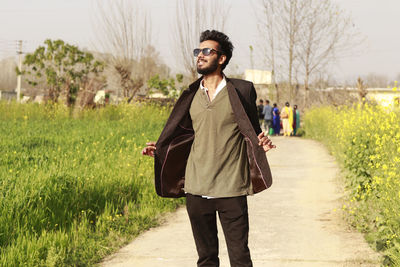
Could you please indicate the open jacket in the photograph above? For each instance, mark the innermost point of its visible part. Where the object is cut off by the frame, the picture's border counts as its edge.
(174, 144)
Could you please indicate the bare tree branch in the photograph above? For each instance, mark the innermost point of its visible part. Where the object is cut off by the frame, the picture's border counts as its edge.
(267, 30)
(326, 34)
(193, 17)
(303, 36)
(124, 34)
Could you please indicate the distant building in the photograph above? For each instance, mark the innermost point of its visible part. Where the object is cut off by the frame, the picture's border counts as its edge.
(383, 96)
(261, 80)
(258, 76)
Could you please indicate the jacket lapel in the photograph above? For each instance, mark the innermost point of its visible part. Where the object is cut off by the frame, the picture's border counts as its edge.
(260, 172)
(180, 110)
(241, 117)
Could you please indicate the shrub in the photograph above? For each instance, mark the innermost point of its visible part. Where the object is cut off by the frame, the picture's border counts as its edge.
(366, 141)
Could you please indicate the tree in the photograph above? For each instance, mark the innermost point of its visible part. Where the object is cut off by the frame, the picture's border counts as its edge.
(292, 13)
(267, 29)
(166, 86)
(362, 90)
(376, 80)
(326, 33)
(124, 35)
(62, 67)
(280, 25)
(311, 34)
(193, 17)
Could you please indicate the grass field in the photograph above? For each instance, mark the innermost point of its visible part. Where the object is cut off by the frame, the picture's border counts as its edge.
(74, 189)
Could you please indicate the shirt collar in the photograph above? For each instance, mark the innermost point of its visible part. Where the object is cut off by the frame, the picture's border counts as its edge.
(220, 86)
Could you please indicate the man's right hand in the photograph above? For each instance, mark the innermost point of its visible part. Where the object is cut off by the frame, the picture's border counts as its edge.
(149, 149)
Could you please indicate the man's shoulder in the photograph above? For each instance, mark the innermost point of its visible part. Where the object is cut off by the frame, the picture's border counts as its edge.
(195, 84)
(240, 82)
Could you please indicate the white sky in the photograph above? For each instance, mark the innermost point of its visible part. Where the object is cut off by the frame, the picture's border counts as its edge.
(71, 20)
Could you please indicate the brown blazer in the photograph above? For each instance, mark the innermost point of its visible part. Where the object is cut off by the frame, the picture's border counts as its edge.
(174, 144)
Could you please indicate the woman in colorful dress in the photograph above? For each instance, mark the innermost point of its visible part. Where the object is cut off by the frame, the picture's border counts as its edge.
(287, 119)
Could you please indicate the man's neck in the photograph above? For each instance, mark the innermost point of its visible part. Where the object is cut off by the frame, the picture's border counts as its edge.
(211, 81)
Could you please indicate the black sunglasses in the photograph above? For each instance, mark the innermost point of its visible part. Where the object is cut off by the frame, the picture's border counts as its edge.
(205, 51)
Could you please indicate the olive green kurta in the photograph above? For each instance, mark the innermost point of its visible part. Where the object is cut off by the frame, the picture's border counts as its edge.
(217, 165)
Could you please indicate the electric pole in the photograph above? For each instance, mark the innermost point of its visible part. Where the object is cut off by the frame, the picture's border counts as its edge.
(19, 52)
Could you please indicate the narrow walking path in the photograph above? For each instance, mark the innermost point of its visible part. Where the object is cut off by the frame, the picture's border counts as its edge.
(294, 223)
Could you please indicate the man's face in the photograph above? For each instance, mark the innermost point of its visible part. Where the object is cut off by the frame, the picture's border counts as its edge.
(209, 64)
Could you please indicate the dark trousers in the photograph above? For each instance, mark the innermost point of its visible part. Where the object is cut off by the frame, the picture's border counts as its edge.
(233, 215)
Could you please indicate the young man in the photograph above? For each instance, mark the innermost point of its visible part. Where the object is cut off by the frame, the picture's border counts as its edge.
(212, 151)
(267, 114)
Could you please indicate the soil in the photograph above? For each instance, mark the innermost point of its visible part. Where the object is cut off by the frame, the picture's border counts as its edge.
(296, 222)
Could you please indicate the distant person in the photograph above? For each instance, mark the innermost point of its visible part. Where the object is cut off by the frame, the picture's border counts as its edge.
(287, 119)
(260, 108)
(267, 113)
(276, 120)
(296, 119)
(212, 151)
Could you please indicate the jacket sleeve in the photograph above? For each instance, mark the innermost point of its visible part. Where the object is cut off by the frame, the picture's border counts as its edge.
(253, 114)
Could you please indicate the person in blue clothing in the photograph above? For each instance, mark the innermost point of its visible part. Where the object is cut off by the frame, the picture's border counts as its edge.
(276, 119)
(267, 114)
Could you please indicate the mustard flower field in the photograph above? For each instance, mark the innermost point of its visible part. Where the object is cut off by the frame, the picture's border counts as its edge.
(366, 142)
(75, 188)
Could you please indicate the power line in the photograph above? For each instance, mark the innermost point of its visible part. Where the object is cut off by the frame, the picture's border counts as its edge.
(10, 48)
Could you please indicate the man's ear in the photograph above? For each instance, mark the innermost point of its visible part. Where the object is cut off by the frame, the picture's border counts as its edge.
(222, 59)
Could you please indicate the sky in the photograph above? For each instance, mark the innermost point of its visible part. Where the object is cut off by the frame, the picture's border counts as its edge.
(33, 21)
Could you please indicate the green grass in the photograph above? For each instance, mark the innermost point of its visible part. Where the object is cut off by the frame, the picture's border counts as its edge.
(74, 189)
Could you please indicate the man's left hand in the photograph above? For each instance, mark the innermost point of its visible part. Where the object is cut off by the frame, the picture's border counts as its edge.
(265, 142)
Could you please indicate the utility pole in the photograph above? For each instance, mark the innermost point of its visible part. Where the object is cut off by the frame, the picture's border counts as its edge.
(19, 52)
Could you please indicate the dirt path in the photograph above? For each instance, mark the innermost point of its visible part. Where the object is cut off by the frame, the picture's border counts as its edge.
(294, 223)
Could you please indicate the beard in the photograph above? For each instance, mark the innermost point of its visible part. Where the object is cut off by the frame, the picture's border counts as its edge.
(209, 69)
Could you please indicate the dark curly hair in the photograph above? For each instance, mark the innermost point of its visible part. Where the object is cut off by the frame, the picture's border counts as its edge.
(225, 45)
